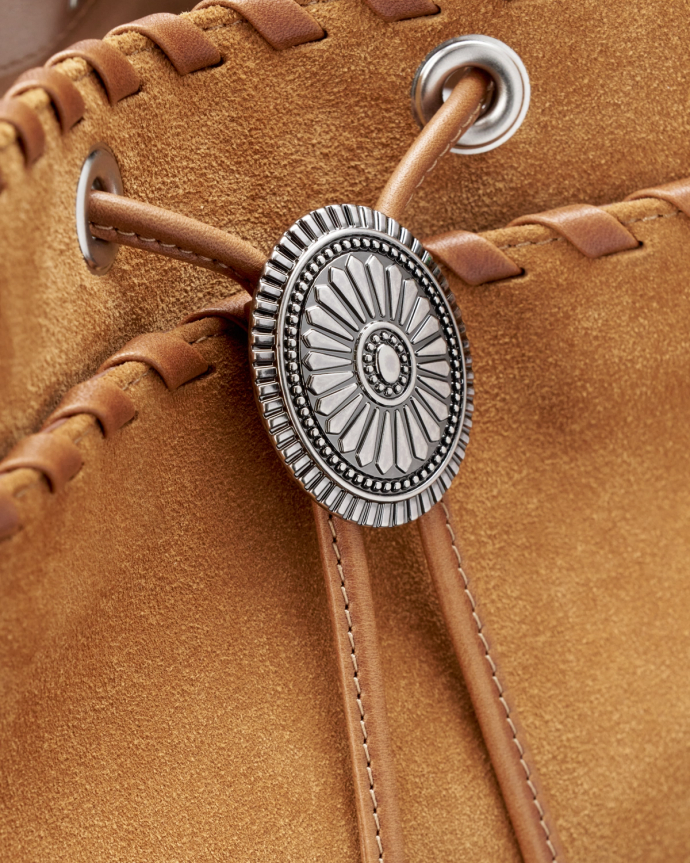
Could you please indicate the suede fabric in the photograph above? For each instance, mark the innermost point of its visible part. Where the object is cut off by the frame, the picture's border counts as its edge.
(169, 685)
(255, 143)
(169, 682)
(573, 515)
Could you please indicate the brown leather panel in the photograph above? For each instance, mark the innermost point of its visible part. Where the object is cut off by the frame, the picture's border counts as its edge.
(676, 193)
(456, 115)
(100, 397)
(472, 257)
(515, 776)
(168, 353)
(143, 226)
(282, 23)
(185, 45)
(399, 10)
(234, 309)
(361, 678)
(29, 129)
(67, 100)
(9, 515)
(591, 230)
(56, 457)
(118, 75)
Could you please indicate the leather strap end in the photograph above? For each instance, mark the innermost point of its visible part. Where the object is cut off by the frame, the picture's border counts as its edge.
(345, 568)
(57, 458)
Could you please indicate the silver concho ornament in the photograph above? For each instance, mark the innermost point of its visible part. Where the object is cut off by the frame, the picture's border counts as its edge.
(360, 365)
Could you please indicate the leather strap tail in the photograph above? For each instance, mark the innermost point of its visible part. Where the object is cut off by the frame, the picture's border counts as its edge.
(354, 627)
(515, 777)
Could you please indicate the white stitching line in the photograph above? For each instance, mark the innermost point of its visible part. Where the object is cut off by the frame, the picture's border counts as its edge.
(355, 677)
(195, 256)
(24, 489)
(652, 218)
(454, 139)
(499, 688)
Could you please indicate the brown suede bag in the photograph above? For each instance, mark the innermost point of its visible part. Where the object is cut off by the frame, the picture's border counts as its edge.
(203, 659)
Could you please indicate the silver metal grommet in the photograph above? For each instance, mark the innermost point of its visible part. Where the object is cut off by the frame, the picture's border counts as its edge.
(445, 65)
(100, 171)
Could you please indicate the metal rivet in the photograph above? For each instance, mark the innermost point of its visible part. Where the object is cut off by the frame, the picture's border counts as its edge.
(443, 67)
(100, 171)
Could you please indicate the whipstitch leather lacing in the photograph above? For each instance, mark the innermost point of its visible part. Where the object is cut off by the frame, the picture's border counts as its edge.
(20, 492)
(460, 132)
(358, 688)
(499, 688)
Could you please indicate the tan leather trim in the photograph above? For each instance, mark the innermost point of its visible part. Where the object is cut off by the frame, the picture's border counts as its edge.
(456, 115)
(361, 678)
(100, 397)
(9, 516)
(118, 76)
(184, 44)
(169, 354)
(399, 10)
(28, 126)
(592, 231)
(516, 778)
(282, 23)
(472, 257)
(58, 459)
(67, 100)
(143, 226)
(234, 309)
(676, 193)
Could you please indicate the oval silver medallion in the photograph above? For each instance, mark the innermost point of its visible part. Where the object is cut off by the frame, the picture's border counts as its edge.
(361, 367)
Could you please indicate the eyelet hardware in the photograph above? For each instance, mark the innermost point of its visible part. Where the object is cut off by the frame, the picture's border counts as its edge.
(100, 171)
(443, 67)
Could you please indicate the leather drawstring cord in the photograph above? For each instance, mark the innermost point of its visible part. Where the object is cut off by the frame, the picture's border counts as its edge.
(119, 219)
(455, 117)
(345, 566)
(123, 220)
(516, 778)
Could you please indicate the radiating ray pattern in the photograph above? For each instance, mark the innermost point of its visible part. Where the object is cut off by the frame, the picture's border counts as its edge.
(360, 365)
(377, 371)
